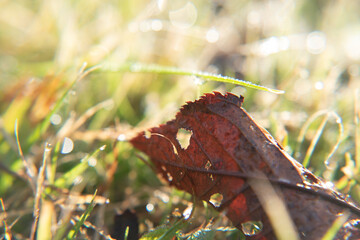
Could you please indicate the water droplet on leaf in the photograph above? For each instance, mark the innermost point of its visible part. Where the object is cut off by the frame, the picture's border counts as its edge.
(216, 199)
(251, 228)
(187, 212)
(170, 178)
(147, 134)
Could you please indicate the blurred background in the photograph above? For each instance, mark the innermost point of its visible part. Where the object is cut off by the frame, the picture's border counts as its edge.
(308, 48)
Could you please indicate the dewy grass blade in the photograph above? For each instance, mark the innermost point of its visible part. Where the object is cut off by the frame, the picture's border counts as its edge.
(67, 178)
(171, 232)
(318, 133)
(152, 68)
(314, 141)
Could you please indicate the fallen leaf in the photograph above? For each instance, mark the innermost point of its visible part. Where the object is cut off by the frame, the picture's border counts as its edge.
(236, 165)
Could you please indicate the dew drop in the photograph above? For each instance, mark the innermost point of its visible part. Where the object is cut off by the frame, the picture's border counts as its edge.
(150, 207)
(319, 85)
(68, 146)
(338, 120)
(102, 148)
(78, 180)
(55, 119)
(187, 212)
(198, 81)
(92, 162)
(121, 137)
(327, 163)
(156, 25)
(170, 178)
(251, 228)
(212, 35)
(162, 196)
(48, 147)
(147, 134)
(135, 67)
(329, 185)
(216, 199)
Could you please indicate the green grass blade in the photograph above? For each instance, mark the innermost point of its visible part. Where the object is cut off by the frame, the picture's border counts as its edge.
(126, 233)
(170, 233)
(314, 141)
(338, 223)
(165, 232)
(40, 129)
(72, 234)
(318, 134)
(152, 68)
(67, 178)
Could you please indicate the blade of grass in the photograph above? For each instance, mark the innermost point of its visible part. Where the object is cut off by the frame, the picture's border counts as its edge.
(305, 127)
(51, 170)
(72, 234)
(318, 133)
(28, 166)
(67, 178)
(153, 68)
(126, 233)
(39, 190)
(170, 233)
(314, 141)
(46, 220)
(338, 223)
(338, 121)
(40, 129)
(165, 232)
(7, 231)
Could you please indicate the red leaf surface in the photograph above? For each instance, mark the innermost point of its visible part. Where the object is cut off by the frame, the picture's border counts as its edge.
(229, 155)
